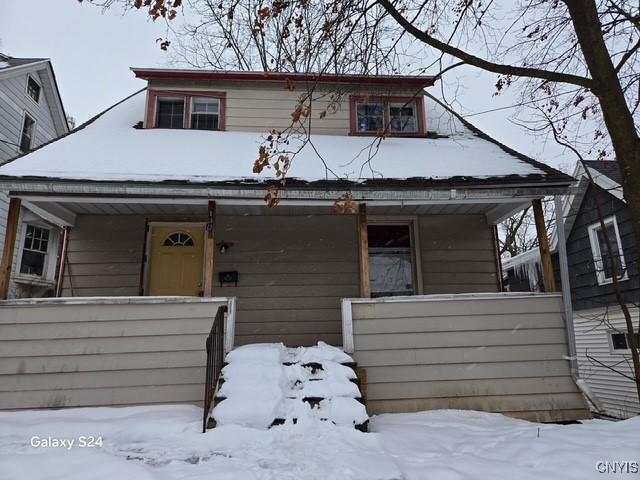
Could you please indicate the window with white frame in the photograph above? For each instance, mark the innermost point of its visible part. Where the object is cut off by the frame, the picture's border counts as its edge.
(170, 113)
(606, 262)
(28, 132)
(33, 89)
(205, 113)
(620, 341)
(35, 250)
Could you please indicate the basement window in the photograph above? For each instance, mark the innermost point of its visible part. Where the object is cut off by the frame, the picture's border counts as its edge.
(35, 250)
(606, 262)
(620, 341)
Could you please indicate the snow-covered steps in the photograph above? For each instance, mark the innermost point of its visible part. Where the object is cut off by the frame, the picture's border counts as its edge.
(263, 385)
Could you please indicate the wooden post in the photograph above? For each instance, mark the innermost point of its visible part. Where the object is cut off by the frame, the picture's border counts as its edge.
(62, 261)
(365, 282)
(543, 244)
(11, 233)
(209, 249)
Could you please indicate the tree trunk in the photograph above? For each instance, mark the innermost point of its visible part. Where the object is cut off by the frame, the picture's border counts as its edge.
(618, 119)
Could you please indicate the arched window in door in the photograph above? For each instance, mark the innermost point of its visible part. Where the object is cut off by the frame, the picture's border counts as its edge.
(178, 239)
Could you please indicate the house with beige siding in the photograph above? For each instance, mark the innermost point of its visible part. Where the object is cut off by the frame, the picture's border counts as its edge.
(31, 114)
(382, 242)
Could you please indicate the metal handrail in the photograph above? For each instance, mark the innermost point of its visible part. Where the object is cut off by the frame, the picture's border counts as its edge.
(215, 358)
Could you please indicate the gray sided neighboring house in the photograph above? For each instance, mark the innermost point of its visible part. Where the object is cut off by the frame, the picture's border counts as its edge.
(31, 114)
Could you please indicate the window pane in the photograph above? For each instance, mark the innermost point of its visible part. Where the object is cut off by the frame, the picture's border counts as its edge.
(391, 272)
(206, 105)
(170, 114)
(26, 138)
(619, 341)
(403, 118)
(33, 89)
(204, 121)
(607, 259)
(32, 262)
(390, 260)
(370, 117)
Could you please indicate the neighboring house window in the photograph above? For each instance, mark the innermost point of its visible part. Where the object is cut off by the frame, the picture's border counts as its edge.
(170, 113)
(620, 341)
(399, 116)
(390, 260)
(28, 130)
(33, 89)
(604, 262)
(34, 251)
(205, 113)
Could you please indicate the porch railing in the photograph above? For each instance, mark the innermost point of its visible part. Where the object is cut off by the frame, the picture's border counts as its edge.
(215, 358)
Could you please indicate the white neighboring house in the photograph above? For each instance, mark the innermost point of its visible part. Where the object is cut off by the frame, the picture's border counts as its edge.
(31, 114)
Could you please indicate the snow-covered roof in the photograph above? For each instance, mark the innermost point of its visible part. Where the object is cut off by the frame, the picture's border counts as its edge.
(108, 148)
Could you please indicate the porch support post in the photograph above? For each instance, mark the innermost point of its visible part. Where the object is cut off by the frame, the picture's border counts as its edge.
(543, 245)
(365, 283)
(209, 249)
(11, 233)
(62, 259)
(566, 285)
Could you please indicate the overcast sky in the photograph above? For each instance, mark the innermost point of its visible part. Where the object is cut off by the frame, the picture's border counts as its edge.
(92, 51)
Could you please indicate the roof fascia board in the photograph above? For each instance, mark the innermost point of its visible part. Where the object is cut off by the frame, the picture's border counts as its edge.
(421, 196)
(62, 125)
(19, 69)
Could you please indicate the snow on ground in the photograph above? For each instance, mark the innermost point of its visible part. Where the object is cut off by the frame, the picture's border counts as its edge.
(265, 382)
(165, 443)
(111, 149)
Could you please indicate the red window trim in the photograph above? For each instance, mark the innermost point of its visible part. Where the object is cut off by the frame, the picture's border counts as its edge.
(152, 102)
(353, 114)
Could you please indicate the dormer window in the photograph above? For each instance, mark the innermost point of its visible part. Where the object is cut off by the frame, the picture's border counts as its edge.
(205, 113)
(400, 116)
(178, 110)
(170, 113)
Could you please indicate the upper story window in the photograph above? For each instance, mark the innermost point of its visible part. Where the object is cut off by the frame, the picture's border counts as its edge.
(205, 113)
(186, 110)
(170, 113)
(35, 250)
(33, 89)
(27, 134)
(400, 116)
(606, 262)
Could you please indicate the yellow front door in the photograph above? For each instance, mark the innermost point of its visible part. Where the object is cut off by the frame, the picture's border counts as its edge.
(176, 261)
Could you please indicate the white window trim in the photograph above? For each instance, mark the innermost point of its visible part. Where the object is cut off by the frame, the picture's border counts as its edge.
(219, 114)
(614, 351)
(25, 113)
(597, 254)
(159, 98)
(26, 89)
(51, 257)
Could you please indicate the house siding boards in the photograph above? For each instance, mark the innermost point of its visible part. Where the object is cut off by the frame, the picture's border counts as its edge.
(293, 269)
(478, 353)
(617, 394)
(585, 291)
(251, 109)
(88, 354)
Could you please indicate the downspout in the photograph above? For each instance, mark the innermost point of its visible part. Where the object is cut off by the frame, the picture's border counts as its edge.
(568, 307)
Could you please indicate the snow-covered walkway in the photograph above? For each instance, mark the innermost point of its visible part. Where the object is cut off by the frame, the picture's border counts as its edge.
(164, 442)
